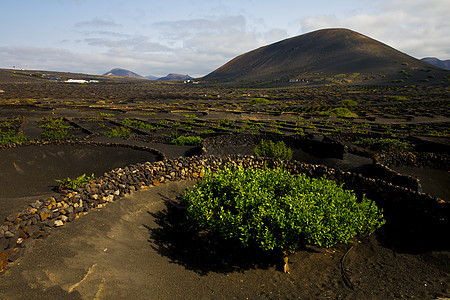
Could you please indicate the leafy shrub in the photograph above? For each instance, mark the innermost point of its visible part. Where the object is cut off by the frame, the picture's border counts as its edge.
(52, 123)
(187, 140)
(55, 134)
(272, 209)
(271, 149)
(72, 184)
(138, 124)
(259, 101)
(190, 116)
(119, 132)
(381, 144)
(340, 112)
(11, 136)
(105, 115)
(348, 102)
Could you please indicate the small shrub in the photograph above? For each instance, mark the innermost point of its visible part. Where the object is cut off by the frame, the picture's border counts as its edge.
(340, 112)
(52, 123)
(11, 136)
(380, 144)
(187, 140)
(55, 134)
(105, 115)
(190, 116)
(259, 101)
(121, 132)
(271, 149)
(348, 102)
(72, 184)
(272, 209)
(138, 124)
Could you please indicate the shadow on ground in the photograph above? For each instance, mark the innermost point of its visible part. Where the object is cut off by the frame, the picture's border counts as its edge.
(200, 253)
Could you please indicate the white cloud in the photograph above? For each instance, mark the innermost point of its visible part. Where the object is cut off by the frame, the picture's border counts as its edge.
(415, 27)
(226, 37)
(97, 22)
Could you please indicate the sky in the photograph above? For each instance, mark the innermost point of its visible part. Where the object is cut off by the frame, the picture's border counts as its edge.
(196, 37)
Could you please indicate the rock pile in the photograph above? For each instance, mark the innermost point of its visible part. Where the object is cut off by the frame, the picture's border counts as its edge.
(314, 144)
(414, 159)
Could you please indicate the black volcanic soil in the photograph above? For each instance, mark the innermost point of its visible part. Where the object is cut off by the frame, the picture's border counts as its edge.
(31, 171)
(377, 267)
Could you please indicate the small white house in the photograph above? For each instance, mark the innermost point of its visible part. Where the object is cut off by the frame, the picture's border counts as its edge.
(76, 81)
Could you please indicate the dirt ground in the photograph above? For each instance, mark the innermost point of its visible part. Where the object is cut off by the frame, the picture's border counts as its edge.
(128, 250)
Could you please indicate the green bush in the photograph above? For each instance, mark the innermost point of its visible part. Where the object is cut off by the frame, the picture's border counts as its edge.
(272, 209)
(72, 184)
(259, 101)
(55, 134)
(138, 124)
(121, 132)
(49, 123)
(187, 140)
(11, 136)
(340, 112)
(271, 149)
(381, 144)
(348, 102)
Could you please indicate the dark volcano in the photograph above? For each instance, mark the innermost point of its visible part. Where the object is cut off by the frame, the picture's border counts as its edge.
(328, 51)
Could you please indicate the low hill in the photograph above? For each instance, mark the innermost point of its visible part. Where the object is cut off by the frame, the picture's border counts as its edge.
(123, 73)
(328, 51)
(444, 64)
(174, 77)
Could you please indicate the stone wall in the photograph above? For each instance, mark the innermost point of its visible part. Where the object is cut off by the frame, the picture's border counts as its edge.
(316, 145)
(414, 159)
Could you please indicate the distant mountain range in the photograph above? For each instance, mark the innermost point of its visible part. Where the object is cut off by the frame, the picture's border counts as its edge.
(127, 73)
(172, 77)
(444, 64)
(327, 51)
(123, 73)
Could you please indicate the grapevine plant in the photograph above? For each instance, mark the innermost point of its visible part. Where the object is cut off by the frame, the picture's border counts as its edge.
(272, 209)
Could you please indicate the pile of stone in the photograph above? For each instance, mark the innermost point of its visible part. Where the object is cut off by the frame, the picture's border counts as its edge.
(314, 144)
(19, 231)
(414, 159)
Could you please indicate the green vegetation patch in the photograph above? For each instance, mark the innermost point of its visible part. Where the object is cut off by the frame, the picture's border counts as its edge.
(348, 102)
(11, 136)
(340, 112)
(272, 209)
(52, 123)
(121, 132)
(105, 115)
(54, 128)
(271, 149)
(55, 134)
(385, 144)
(259, 101)
(138, 124)
(72, 184)
(187, 140)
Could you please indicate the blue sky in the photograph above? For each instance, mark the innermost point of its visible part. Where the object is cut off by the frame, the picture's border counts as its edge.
(195, 37)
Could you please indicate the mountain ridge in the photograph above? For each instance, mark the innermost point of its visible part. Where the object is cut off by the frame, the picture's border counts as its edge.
(444, 64)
